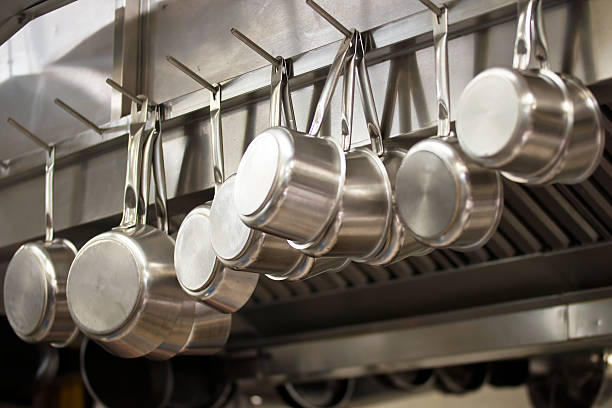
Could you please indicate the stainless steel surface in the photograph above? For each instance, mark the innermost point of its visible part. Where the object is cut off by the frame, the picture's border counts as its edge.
(529, 132)
(35, 282)
(444, 198)
(133, 265)
(240, 247)
(489, 39)
(198, 270)
(438, 340)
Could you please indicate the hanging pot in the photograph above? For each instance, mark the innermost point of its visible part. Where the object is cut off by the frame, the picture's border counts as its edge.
(122, 290)
(540, 127)
(35, 280)
(198, 270)
(444, 198)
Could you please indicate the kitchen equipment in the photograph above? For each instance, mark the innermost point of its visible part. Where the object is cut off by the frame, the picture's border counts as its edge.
(122, 290)
(35, 282)
(198, 270)
(361, 225)
(444, 198)
(535, 125)
(283, 169)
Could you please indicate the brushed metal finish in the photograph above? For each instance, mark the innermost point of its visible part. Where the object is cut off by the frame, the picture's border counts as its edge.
(35, 292)
(242, 248)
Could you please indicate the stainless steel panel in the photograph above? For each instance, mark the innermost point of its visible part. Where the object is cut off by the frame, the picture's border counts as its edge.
(65, 54)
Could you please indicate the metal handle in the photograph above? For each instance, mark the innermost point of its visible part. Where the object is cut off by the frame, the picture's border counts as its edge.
(367, 100)
(216, 137)
(78, 116)
(330, 85)
(49, 172)
(159, 173)
(530, 47)
(135, 198)
(216, 133)
(348, 98)
(440, 33)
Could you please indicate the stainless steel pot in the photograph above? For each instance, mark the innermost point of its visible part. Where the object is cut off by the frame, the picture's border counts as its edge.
(444, 198)
(282, 169)
(122, 290)
(198, 270)
(533, 124)
(243, 248)
(35, 281)
(362, 222)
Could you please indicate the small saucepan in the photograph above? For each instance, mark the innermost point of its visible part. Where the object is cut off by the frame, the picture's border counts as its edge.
(122, 289)
(200, 273)
(444, 198)
(35, 281)
(533, 124)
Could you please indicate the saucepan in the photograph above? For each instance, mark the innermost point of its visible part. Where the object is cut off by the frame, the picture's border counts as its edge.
(364, 215)
(122, 289)
(444, 198)
(198, 270)
(533, 124)
(237, 245)
(35, 282)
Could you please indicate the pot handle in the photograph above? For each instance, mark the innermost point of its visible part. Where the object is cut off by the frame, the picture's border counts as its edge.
(348, 95)
(136, 194)
(330, 85)
(280, 98)
(49, 170)
(216, 137)
(159, 173)
(530, 46)
(440, 34)
(367, 101)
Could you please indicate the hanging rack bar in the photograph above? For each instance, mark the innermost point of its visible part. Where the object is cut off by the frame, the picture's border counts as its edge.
(29, 134)
(329, 18)
(119, 88)
(249, 43)
(78, 116)
(182, 67)
(431, 5)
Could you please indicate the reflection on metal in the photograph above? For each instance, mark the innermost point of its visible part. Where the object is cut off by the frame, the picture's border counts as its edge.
(437, 340)
(16, 14)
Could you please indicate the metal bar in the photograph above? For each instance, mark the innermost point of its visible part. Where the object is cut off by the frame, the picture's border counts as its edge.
(29, 134)
(249, 43)
(431, 5)
(331, 20)
(119, 88)
(78, 116)
(183, 68)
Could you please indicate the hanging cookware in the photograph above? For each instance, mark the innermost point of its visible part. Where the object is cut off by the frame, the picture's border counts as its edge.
(444, 198)
(244, 248)
(535, 125)
(122, 289)
(361, 225)
(289, 183)
(198, 270)
(35, 281)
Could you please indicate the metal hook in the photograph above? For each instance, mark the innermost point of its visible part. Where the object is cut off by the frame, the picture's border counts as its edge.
(78, 116)
(431, 5)
(29, 134)
(183, 68)
(249, 43)
(129, 95)
(345, 31)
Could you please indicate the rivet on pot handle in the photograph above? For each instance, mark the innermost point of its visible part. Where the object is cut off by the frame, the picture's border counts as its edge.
(530, 47)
